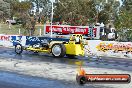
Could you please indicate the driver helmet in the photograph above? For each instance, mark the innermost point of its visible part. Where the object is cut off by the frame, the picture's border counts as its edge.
(77, 39)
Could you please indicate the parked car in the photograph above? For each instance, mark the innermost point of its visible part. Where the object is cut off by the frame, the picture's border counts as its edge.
(19, 21)
(11, 21)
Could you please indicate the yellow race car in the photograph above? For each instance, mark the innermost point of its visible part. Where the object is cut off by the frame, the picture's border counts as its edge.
(74, 47)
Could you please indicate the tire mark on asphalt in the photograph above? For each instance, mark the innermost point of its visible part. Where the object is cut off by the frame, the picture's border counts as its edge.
(9, 53)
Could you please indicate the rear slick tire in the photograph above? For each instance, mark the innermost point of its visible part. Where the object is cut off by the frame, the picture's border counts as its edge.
(58, 50)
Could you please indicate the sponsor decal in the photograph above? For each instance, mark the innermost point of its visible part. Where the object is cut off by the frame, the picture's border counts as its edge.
(70, 29)
(115, 47)
(4, 38)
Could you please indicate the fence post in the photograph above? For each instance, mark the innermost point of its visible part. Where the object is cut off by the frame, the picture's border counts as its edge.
(19, 31)
(40, 32)
(0, 26)
(9, 25)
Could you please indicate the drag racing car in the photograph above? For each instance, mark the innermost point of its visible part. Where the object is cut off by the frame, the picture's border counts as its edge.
(75, 47)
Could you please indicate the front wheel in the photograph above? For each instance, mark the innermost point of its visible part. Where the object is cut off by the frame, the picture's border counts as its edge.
(58, 50)
(18, 48)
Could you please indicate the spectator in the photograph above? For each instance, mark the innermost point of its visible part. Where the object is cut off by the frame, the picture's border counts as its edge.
(33, 23)
(39, 19)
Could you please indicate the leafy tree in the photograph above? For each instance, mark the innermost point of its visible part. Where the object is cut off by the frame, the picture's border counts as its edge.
(106, 11)
(45, 5)
(76, 12)
(4, 9)
(10, 8)
(11, 4)
(124, 19)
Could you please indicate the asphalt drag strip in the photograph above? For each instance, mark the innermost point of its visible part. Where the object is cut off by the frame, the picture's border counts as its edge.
(103, 62)
(13, 80)
(63, 69)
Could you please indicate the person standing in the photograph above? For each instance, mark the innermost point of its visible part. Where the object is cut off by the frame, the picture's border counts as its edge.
(33, 23)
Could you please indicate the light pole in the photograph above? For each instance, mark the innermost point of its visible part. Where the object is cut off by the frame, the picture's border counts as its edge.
(52, 2)
(9, 16)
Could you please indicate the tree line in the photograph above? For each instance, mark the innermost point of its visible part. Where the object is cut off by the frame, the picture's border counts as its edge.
(74, 12)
